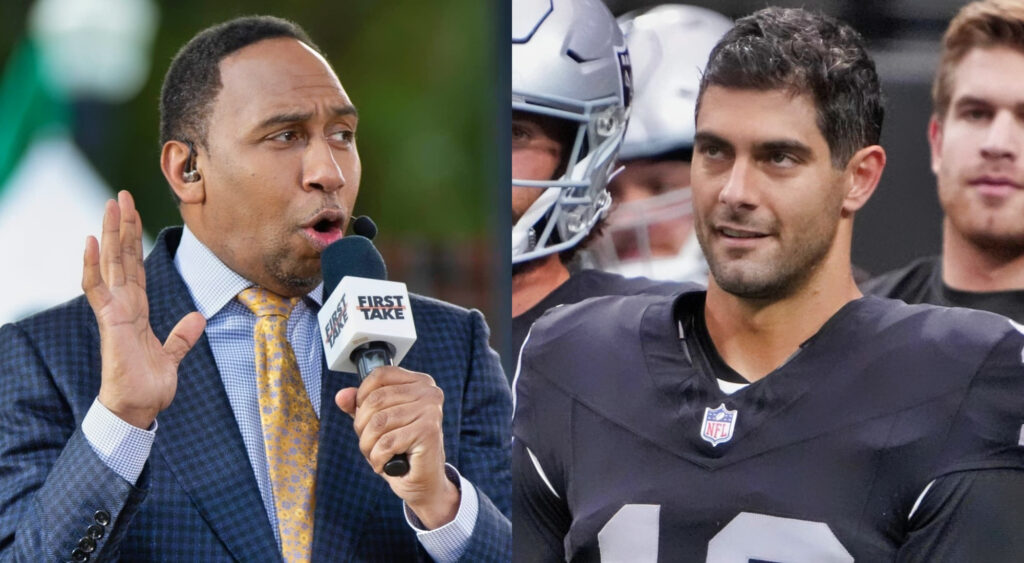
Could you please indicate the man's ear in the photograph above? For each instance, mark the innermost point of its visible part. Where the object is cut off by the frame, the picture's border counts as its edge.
(180, 164)
(865, 170)
(935, 142)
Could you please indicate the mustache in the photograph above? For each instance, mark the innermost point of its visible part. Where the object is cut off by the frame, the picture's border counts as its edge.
(739, 219)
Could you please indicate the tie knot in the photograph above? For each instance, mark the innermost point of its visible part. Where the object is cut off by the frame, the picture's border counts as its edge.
(264, 303)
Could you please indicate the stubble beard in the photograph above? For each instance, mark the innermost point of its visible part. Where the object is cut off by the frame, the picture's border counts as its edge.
(773, 277)
(993, 231)
(300, 283)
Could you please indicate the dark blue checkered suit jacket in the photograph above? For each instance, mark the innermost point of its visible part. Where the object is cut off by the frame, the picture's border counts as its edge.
(197, 498)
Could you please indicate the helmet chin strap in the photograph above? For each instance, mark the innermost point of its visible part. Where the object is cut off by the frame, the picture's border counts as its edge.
(618, 170)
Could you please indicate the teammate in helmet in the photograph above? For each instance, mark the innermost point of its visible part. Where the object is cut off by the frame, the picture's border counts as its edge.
(650, 229)
(571, 88)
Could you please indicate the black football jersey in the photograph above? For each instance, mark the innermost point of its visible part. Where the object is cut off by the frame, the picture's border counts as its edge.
(893, 434)
(921, 282)
(584, 284)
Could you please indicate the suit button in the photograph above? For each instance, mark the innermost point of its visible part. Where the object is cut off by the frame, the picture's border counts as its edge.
(95, 532)
(102, 517)
(79, 555)
(87, 544)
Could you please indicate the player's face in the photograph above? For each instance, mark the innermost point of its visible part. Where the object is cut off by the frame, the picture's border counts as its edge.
(282, 171)
(767, 199)
(977, 149)
(640, 180)
(537, 153)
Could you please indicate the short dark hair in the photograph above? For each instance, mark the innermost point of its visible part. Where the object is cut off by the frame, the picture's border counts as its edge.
(805, 53)
(193, 79)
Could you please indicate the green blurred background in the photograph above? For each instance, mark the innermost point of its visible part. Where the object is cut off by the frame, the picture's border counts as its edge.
(424, 79)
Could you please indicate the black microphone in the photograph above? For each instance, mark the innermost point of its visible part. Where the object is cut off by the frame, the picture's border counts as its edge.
(364, 227)
(379, 329)
(353, 255)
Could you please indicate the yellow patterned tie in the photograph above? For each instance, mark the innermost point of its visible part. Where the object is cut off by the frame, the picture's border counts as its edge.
(290, 426)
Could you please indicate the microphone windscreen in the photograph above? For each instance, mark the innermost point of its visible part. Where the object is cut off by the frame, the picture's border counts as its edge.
(351, 256)
(364, 227)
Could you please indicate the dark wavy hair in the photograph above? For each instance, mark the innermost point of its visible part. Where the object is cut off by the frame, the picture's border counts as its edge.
(805, 53)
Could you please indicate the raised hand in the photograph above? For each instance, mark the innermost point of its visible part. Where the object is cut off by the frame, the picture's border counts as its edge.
(397, 411)
(140, 375)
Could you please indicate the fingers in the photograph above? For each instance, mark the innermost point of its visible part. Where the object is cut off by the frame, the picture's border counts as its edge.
(128, 236)
(130, 239)
(393, 429)
(117, 259)
(110, 251)
(387, 376)
(410, 440)
(184, 336)
(120, 256)
(139, 256)
(383, 398)
(346, 400)
(399, 412)
(92, 279)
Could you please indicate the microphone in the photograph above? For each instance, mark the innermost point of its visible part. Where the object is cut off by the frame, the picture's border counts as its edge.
(364, 227)
(366, 321)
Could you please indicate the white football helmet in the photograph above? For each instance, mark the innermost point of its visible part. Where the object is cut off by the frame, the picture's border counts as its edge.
(569, 61)
(669, 46)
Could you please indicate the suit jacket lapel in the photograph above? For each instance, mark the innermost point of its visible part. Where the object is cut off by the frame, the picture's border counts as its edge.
(198, 437)
(347, 489)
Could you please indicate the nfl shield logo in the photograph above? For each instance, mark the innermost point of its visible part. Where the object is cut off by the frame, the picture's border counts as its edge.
(718, 425)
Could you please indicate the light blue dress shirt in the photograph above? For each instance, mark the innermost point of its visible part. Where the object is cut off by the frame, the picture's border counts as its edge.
(229, 329)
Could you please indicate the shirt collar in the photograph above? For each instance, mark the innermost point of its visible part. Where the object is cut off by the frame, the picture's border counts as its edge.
(210, 282)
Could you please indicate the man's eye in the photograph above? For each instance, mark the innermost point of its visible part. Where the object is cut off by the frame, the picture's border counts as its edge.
(344, 136)
(975, 114)
(782, 159)
(286, 136)
(520, 133)
(711, 151)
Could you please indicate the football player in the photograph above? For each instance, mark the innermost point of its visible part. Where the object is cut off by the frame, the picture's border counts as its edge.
(571, 89)
(779, 415)
(976, 134)
(650, 228)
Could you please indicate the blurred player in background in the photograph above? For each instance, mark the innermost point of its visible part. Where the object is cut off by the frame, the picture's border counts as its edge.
(976, 134)
(650, 229)
(571, 88)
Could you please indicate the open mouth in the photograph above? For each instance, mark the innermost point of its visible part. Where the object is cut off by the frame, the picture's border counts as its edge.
(326, 226)
(736, 233)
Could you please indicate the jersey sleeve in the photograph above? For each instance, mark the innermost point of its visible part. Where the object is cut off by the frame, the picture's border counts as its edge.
(988, 430)
(540, 519)
(968, 516)
(540, 455)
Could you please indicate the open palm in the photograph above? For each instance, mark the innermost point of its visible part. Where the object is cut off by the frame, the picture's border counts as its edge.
(140, 374)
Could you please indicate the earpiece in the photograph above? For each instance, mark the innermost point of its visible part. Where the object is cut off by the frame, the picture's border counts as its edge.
(190, 174)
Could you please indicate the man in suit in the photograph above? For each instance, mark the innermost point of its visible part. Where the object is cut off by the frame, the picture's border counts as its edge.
(132, 421)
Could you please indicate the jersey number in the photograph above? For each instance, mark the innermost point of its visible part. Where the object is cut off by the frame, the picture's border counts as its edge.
(632, 535)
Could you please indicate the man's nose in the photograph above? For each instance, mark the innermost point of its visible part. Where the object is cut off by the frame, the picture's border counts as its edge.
(320, 168)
